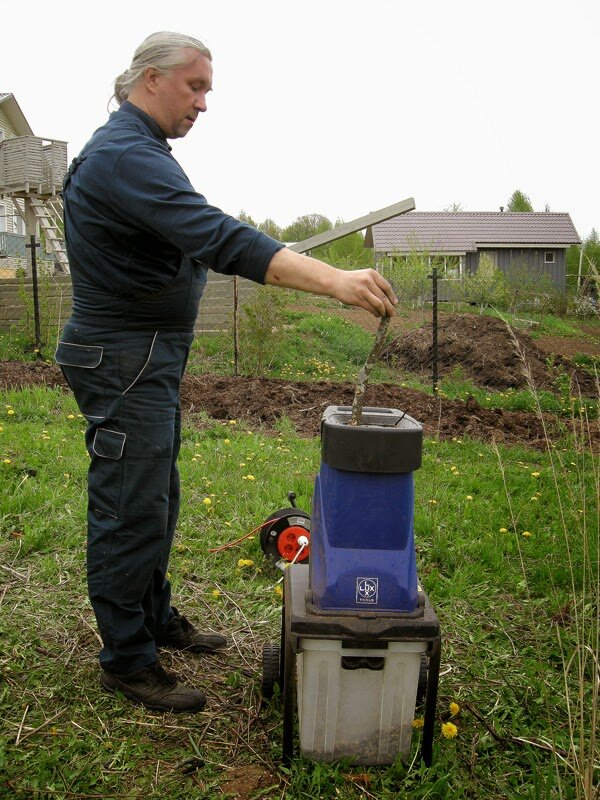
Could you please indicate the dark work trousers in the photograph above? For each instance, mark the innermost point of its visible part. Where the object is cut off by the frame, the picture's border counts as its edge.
(126, 384)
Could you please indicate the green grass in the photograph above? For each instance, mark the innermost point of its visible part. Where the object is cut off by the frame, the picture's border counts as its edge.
(513, 609)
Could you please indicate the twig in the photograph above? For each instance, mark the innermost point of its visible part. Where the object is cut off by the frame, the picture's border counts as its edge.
(363, 375)
(43, 725)
(21, 726)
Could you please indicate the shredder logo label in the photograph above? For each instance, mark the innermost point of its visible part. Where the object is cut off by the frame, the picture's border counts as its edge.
(367, 590)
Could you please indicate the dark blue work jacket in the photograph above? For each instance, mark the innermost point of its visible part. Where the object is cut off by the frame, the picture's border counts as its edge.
(140, 238)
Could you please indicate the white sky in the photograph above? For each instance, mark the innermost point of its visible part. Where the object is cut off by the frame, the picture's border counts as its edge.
(341, 107)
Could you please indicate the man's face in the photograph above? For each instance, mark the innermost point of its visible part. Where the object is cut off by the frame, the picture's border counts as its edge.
(180, 95)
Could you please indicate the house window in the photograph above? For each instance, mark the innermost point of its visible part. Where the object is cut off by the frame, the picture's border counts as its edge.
(549, 257)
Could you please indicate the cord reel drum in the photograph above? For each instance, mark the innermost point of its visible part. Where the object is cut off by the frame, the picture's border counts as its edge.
(285, 535)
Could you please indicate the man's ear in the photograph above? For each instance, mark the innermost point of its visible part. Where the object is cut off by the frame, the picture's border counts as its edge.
(151, 76)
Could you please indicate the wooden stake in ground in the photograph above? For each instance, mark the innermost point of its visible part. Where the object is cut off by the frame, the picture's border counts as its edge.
(363, 375)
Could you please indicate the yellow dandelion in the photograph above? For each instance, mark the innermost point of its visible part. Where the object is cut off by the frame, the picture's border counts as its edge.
(250, 478)
(226, 441)
(10, 412)
(207, 501)
(418, 723)
(535, 498)
(70, 416)
(469, 497)
(433, 502)
(503, 530)
(245, 562)
(535, 474)
(242, 463)
(526, 533)
(7, 461)
(216, 593)
(278, 591)
(454, 708)
(449, 730)
(233, 421)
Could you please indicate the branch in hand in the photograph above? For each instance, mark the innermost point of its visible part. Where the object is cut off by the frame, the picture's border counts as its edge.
(363, 375)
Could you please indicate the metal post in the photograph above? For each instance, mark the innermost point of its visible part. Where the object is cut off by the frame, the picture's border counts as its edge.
(236, 326)
(33, 244)
(434, 348)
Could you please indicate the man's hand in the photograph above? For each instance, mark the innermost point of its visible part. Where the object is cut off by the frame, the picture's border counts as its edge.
(363, 287)
(367, 289)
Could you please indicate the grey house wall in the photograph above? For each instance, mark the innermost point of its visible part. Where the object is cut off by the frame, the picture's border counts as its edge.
(532, 259)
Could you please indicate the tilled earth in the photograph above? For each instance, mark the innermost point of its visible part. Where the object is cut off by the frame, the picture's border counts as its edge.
(263, 401)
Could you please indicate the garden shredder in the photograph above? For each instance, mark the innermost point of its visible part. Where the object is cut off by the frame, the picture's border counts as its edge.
(360, 642)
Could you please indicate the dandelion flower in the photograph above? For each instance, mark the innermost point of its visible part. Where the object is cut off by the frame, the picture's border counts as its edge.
(233, 421)
(216, 593)
(7, 461)
(207, 501)
(433, 502)
(250, 478)
(449, 730)
(226, 441)
(278, 591)
(469, 497)
(10, 412)
(245, 562)
(535, 498)
(70, 416)
(503, 530)
(454, 709)
(418, 723)
(535, 474)
(526, 533)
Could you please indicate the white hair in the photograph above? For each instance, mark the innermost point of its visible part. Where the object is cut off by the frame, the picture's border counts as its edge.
(163, 51)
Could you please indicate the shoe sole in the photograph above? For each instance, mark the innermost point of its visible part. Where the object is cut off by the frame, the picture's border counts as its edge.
(193, 648)
(104, 682)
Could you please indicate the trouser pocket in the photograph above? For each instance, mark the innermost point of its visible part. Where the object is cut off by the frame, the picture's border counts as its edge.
(106, 472)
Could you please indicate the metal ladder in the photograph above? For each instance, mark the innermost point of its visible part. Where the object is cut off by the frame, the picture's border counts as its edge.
(49, 216)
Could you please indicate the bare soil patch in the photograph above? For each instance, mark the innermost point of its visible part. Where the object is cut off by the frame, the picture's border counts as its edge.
(261, 402)
(489, 353)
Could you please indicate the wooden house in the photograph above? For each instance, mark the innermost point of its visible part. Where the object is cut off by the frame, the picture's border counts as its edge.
(468, 242)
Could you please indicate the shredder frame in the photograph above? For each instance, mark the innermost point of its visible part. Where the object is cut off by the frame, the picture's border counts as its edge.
(365, 628)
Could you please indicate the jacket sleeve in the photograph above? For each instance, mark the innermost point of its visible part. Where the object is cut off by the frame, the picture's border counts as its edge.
(149, 187)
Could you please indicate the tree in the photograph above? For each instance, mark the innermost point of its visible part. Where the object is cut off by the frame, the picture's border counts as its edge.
(519, 202)
(243, 217)
(306, 226)
(271, 228)
(454, 207)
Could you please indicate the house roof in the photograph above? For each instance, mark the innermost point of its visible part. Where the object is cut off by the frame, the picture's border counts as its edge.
(15, 115)
(466, 231)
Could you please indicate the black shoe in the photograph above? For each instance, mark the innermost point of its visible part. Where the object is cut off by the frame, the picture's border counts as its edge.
(180, 634)
(154, 688)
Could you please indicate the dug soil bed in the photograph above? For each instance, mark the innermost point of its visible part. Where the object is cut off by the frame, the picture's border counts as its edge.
(262, 402)
(488, 352)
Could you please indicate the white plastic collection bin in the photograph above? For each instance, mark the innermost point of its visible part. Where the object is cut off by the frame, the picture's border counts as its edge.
(358, 702)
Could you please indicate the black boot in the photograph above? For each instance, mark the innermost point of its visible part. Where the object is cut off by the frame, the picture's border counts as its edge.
(154, 688)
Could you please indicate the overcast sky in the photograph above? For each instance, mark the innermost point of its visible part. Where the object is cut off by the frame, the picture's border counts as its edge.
(341, 107)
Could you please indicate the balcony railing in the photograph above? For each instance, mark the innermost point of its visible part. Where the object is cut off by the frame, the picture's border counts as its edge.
(32, 165)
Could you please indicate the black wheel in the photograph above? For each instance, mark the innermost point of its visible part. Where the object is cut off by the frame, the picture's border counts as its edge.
(282, 534)
(271, 658)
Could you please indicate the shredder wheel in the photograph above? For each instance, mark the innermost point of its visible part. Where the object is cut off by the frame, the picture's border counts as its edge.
(271, 658)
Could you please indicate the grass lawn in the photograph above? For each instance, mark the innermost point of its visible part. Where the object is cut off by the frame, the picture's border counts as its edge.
(507, 547)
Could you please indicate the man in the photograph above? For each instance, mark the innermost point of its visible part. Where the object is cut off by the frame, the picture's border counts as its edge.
(140, 240)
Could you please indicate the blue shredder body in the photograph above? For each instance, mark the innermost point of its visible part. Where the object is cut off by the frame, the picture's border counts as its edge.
(362, 542)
